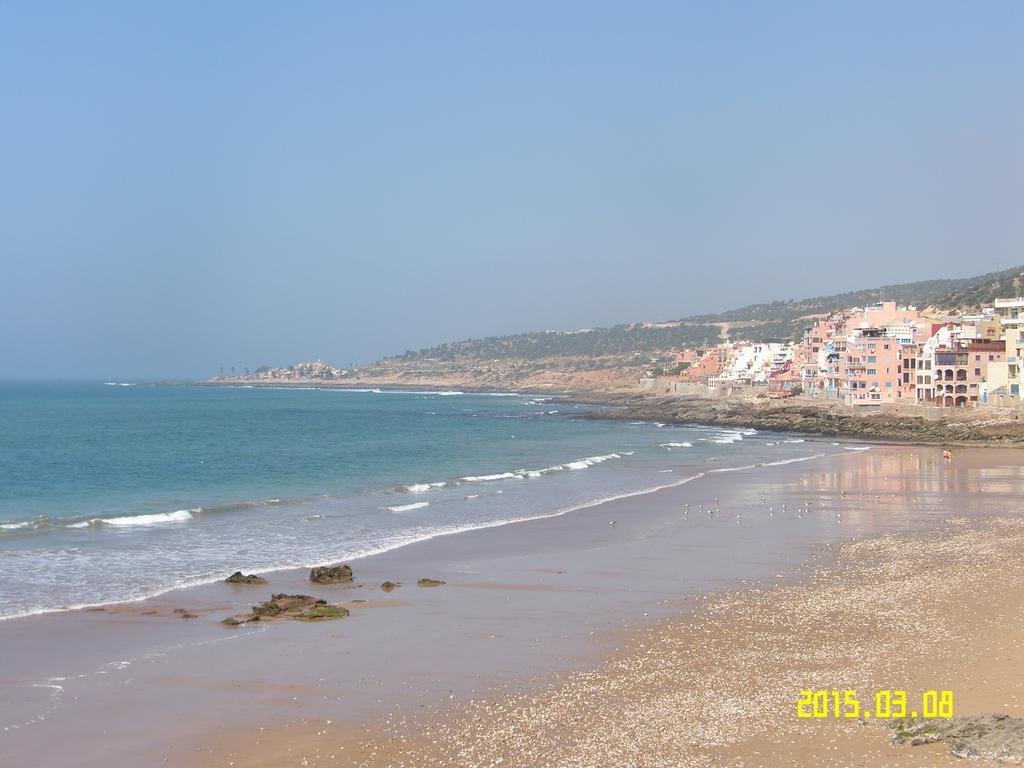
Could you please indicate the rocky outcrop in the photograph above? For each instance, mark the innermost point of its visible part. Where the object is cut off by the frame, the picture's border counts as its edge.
(387, 586)
(239, 578)
(301, 607)
(829, 417)
(429, 583)
(331, 574)
(985, 737)
(284, 604)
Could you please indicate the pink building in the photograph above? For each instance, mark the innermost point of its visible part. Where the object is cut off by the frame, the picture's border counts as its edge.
(871, 370)
(962, 372)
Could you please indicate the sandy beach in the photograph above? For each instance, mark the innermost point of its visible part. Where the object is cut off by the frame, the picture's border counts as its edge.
(670, 628)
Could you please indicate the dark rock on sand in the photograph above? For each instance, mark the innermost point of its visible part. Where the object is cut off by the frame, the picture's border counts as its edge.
(331, 574)
(187, 615)
(429, 583)
(988, 737)
(301, 607)
(239, 578)
(387, 586)
(284, 604)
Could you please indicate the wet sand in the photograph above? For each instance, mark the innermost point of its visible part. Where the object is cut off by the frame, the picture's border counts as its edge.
(558, 622)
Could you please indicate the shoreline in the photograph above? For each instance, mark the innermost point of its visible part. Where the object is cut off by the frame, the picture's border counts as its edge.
(297, 570)
(532, 600)
(721, 683)
(966, 427)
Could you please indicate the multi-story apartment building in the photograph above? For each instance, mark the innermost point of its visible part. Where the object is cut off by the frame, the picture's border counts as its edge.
(871, 371)
(1010, 311)
(962, 372)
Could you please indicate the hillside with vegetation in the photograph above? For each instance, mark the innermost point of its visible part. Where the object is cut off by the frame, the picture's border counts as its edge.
(774, 321)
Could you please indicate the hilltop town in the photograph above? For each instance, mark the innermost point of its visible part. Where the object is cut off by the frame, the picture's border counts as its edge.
(868, 356)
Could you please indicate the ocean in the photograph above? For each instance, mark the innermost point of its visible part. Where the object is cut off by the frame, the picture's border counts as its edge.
(113, 491)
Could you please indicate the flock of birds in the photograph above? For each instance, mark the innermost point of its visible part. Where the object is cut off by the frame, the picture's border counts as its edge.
(804, 508)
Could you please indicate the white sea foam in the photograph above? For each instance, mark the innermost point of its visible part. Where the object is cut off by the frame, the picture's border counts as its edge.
(857, 447)
(792, 461)
(15, 526)
(670, 446)
(132, 520)
(495, 476)
(798, 440)
(409, 507)
(521, 474)
(732, 436)
(421, 487)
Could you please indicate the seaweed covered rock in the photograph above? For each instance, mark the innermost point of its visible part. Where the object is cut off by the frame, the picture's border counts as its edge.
(284, 604)
(323, 613)
(387, 586)
(429, 583)
(331, 574)
(239, 578)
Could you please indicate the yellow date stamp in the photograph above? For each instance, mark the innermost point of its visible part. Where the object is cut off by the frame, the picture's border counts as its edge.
(883, 705)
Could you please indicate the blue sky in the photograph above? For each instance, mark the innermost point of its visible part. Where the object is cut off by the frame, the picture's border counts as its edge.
(189, 185)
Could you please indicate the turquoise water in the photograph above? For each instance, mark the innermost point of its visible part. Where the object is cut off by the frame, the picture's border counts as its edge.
(111, 492)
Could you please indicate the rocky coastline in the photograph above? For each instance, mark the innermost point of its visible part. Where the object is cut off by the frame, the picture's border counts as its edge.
(990, 426)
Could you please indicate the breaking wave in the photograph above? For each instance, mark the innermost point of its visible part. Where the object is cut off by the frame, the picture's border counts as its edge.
(157, 518)
(409, 507)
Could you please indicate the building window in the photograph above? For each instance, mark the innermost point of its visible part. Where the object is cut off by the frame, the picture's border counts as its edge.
(977, 371)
